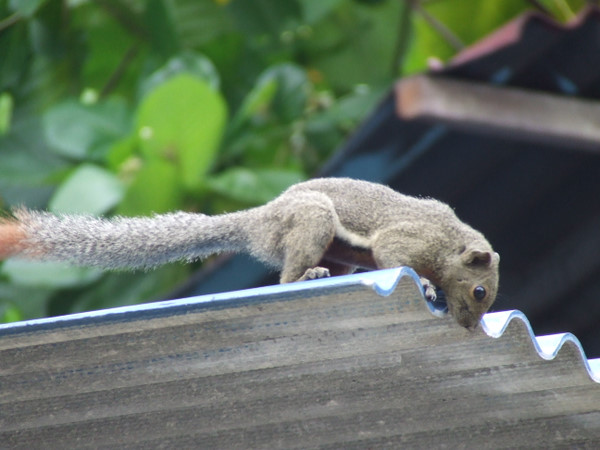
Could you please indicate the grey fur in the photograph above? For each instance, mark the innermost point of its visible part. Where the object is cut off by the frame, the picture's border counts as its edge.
(129, 243)
(291, 233)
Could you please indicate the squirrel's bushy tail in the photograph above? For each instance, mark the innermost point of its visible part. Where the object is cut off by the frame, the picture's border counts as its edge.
(120, 242)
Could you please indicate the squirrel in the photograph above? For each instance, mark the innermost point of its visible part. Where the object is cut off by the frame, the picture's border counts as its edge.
(314, 229)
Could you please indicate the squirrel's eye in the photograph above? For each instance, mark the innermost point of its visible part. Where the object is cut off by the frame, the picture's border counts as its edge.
(479, 293)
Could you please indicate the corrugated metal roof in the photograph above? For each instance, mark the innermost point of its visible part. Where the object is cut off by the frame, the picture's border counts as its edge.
(346, 362)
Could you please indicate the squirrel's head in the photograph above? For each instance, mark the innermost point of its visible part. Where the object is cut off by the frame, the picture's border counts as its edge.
(471, 285)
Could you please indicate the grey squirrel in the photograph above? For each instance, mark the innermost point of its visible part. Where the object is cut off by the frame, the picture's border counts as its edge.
(314, 229)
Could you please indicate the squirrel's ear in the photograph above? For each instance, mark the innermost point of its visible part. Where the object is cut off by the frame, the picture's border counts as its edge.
(478, 258)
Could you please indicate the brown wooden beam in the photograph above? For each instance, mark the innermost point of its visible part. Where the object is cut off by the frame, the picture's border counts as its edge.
(501, 110)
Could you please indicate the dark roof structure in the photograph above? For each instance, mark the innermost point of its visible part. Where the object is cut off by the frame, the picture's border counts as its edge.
(346, 362)
(508, 133)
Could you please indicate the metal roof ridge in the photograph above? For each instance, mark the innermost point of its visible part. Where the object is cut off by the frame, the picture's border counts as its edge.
(547, 346)
(383, 282)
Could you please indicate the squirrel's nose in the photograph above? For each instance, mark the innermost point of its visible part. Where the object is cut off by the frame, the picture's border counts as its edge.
(468, 321)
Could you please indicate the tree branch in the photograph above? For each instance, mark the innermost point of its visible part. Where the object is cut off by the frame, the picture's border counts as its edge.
(116, 76)
(127, 18)
(438, 26)
(10, 20)
(541, 8)
(401, 44)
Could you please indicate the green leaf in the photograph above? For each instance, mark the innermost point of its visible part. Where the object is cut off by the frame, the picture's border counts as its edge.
(564, 10)
(27, 301)
(293, 88)
(347, 111)
(6, 107)
(120, 289)
(26, 8)
(469, 20)
(199, 21)
(356, 44)
(14, 59)
(47, 274)
(182, 121)
(186, 62)
(81, 131)
(90, 190)
(315, 10)
(156, 189)
(114, 56)
(253, 187)
(10, 313)
(256, 102)
(258, 146)
(121, 151)
(325, 130)
(163, 37)
(260, 17)
(25, 160)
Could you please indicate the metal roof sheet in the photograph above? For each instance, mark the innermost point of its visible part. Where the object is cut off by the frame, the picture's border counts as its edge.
(354, 362)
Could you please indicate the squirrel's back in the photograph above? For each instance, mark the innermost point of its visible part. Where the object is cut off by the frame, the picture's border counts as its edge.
(364, 207)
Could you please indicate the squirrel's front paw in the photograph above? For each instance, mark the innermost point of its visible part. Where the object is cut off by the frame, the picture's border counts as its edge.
(315, 272)
(428, 289)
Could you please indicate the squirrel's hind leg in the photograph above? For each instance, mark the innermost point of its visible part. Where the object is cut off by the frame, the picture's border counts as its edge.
(311, 218)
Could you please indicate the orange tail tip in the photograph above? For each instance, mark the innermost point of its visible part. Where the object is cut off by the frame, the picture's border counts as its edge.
(12, 238)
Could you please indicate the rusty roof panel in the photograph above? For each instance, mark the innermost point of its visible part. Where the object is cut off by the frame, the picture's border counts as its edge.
(348, 362)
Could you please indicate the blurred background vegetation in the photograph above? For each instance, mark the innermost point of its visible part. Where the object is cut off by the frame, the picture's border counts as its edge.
(137, 107)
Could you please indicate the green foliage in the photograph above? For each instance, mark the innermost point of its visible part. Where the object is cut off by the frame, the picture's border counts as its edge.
(85, 132)
(134, 108)
(25, 8)
(253, 186)
(47, 274)
(6, 105)
(469, 21)
(88, 190)
(155, 189)
(182, 121)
